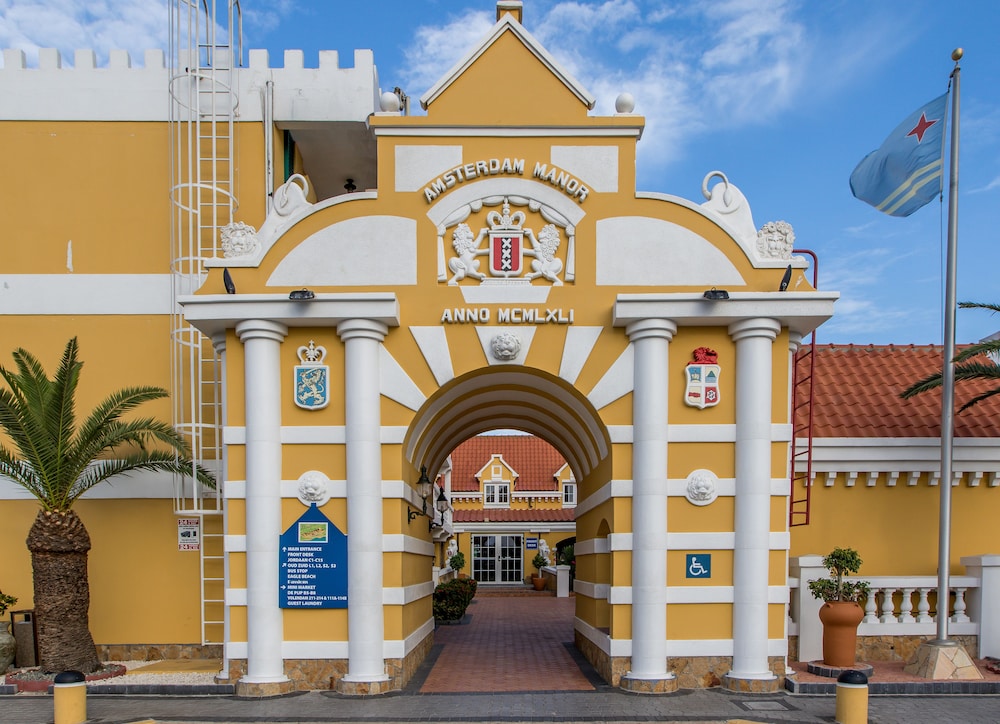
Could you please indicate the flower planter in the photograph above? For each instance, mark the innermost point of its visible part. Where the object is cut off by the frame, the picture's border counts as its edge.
(7, 647)
(538, 582)
(840, 631)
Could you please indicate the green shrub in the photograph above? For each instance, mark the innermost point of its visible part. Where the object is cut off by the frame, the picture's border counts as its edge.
(451, 598)
(539, 562)
(468, 586)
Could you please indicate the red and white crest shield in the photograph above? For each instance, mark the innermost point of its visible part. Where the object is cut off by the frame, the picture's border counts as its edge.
(505, 253)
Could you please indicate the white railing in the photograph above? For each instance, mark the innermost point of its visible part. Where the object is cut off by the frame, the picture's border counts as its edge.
(901, 605)
(560, 575)
(440, 575)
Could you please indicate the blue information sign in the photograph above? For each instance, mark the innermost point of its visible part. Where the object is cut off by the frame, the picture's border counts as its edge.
(531, 544)
(699, 565)
(312, 563)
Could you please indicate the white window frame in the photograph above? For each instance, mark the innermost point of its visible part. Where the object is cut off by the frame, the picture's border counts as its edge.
(569, 491)
(499, 490)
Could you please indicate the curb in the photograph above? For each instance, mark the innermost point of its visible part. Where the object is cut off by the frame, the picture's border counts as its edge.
(935, 688)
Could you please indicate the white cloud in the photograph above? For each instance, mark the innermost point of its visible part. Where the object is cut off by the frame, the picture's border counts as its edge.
(441, 46)
(995, 183)
(691, 70)
(101, 25)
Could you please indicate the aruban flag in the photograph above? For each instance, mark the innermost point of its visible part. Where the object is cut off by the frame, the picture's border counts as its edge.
(906, 171)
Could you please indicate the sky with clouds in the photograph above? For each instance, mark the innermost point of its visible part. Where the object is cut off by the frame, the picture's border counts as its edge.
(784, 96)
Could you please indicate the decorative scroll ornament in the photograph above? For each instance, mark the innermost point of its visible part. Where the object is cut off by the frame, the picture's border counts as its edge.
(509, 243)
(702, 487)
(312, 378)
(505, 346)
(702, 379)
(314, 488)
(238, 239)
(775, 240)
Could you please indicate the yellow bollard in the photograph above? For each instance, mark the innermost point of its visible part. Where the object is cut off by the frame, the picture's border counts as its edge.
(69, 696)
(852, 698)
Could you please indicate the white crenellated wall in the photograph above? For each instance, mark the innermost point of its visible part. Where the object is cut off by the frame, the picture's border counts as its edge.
(121, 92)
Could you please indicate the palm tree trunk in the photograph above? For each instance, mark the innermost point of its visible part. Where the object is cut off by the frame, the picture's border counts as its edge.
(59, 542)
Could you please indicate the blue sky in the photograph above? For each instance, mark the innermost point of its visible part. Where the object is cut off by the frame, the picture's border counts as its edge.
(784, 96)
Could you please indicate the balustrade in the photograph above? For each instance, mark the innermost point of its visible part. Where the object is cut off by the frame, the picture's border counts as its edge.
(889, 609)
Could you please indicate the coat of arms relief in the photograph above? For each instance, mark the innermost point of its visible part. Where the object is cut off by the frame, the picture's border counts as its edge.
(508, 247)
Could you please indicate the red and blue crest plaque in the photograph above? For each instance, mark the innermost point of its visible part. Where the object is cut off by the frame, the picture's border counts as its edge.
(702, 389)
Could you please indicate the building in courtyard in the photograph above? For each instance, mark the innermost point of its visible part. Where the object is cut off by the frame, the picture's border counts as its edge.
(340, 293)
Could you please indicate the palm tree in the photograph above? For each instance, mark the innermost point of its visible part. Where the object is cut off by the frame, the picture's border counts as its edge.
(57, 461)
(966, 369)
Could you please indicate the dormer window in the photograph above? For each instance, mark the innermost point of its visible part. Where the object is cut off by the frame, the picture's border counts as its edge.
(569, 495)
(496, 495)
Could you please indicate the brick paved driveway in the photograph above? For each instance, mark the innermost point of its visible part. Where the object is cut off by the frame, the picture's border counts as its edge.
(509, 644)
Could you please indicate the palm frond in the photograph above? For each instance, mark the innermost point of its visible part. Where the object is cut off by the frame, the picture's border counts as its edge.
(977, 371)
(61, 410)
(116, 434)
(55, 460)
(979, 398)
(20, 421)
(21, 473)
(991, 346)
(980, 305)
(156, 460)
(117, 404)
(927, 383)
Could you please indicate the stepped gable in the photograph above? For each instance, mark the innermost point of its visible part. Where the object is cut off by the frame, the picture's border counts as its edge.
(858, 394)
(533, 459)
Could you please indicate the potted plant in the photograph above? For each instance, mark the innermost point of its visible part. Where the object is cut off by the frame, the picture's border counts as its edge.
(457, 563)
(537, 580)
(7, 643)
(840, 613)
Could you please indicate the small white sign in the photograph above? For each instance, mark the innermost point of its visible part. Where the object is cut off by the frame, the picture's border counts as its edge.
(188, 534)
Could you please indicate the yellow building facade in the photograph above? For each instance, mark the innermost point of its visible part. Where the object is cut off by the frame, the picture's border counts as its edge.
(406, 282)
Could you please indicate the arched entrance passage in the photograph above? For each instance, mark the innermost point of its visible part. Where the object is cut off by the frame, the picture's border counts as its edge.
(520, 642)
(518, 398)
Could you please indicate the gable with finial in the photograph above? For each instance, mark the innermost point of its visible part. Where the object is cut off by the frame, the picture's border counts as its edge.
(508, 74)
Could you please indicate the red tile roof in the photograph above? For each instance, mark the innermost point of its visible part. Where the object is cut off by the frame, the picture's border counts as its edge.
(533, 459)
(858, 387)
(508, 515)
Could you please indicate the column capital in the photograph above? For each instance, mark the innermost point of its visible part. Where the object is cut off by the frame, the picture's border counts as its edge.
(261, 329)
(754, 327)
(219, 342)
(361, 327)
(794, 341)
(652, 327)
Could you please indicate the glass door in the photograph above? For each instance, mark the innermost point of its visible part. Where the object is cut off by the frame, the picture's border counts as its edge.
(484, 558)
(498, 558)
(511, 559)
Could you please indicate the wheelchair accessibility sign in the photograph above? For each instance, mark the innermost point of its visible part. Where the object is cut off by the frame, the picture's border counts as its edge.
(699, 565)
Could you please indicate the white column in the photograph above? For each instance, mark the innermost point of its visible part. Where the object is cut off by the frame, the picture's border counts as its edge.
(754, 340)
(219, 345)
(262, 383)
(365, 620)
(650, 339)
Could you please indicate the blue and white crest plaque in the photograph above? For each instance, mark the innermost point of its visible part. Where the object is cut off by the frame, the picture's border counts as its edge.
(312, 378)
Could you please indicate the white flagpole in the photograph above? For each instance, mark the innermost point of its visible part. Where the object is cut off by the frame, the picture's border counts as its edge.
(948, 369)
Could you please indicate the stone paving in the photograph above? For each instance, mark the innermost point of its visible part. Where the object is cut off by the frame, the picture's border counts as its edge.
(484, 671)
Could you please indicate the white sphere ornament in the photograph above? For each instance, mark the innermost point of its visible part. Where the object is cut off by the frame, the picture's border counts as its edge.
(625, 103)
(389, 102)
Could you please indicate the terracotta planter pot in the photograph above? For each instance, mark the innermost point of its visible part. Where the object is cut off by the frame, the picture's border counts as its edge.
(840, 631)
(538, 582)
